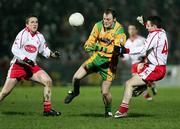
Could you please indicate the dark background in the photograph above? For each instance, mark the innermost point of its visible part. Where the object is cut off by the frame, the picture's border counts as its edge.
(53, 23)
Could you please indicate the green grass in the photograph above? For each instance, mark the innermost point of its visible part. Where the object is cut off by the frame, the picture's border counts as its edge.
(22, 109)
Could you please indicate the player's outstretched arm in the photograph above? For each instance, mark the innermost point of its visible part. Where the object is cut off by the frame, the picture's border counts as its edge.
(140, 19)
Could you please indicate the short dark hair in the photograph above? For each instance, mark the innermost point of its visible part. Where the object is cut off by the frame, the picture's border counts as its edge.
(112, 11)
(156, 20)
(29, 16)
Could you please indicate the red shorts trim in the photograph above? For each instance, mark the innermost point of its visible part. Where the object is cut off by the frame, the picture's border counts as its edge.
(134, 68)
(22, 71)
(152, 73)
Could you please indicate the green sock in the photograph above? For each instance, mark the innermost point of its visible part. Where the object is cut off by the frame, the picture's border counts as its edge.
(108, 108)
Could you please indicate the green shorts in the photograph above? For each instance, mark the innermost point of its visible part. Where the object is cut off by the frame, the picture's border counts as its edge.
(101, 64)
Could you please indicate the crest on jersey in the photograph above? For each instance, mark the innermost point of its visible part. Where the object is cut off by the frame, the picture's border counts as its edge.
(30, 48)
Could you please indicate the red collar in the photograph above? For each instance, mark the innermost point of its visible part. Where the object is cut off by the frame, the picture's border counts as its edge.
(156, 30)
(32, 34)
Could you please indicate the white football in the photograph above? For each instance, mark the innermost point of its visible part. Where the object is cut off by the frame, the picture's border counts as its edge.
(76, 19)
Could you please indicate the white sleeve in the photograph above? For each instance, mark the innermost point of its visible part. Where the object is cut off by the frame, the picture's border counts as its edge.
(142, 50)
(126, 56)
(17, 45)
(43, 49)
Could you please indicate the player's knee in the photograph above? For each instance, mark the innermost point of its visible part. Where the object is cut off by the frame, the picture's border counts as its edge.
(48, 82)
(76, 78)
(105, 94)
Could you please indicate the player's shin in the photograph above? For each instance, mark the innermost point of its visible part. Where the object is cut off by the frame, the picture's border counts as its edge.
(127, 93)
(48, 111)
(107, 102)
(72, 94)
(1, 96)
(47, 93)
(108, 105)
(76, 84)
(126, 98)
(47, 99)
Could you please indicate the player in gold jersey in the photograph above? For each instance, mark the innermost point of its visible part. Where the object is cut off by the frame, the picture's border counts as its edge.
(104, 42)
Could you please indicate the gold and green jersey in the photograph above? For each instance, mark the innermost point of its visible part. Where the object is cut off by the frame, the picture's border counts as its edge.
(107, 37)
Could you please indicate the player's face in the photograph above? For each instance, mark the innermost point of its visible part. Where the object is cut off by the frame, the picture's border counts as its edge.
(150, 26)
(108, 20)
(132, 30)
(32, 24)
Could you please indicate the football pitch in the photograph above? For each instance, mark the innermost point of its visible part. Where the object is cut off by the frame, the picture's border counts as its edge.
(22, 109)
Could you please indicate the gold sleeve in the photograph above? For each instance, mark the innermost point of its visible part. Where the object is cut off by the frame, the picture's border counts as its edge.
(92, 38)
(120, 37)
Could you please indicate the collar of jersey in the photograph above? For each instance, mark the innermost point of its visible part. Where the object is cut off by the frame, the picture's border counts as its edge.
(30, 32)
(156, 30)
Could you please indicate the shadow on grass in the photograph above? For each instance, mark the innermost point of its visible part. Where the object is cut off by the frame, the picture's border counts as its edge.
(88, 115)
(92, 115)
(136, 115)
(130, 115)
(11, 113)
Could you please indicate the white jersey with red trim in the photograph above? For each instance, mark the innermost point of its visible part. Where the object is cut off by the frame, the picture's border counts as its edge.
(29, 45)
(133, 44)
(155, 47)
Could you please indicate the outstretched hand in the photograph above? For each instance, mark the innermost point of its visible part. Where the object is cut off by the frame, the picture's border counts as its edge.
(56, 54)
(95, 47)
(140, 19)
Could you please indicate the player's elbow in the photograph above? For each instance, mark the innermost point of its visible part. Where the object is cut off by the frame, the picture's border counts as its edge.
(13, 50)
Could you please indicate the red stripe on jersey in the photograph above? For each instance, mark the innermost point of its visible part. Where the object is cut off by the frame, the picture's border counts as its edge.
(151, 40)
(156, 52)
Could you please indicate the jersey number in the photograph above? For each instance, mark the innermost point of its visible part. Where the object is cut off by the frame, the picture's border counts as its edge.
(165, 48)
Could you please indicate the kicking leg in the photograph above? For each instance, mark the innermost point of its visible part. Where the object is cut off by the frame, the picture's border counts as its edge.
(80, 73)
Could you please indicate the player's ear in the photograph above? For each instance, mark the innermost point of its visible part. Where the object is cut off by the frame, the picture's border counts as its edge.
(26, 25)
(114, 19)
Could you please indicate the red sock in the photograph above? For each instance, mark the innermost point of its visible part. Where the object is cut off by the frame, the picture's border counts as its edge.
(123, 108)
(47, 106)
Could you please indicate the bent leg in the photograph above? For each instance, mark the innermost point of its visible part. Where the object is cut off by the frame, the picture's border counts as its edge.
(8, 87)
(43, 78)
(80, 74)
(134, 81)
